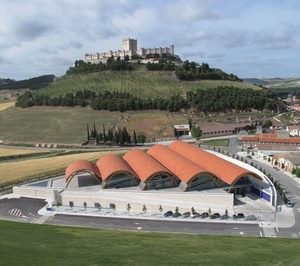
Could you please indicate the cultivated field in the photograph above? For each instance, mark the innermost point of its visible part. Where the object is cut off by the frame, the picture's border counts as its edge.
(13, 152)
(18, 171)
(140, 83)
(68, 124)
(58, 245)
(5, 105)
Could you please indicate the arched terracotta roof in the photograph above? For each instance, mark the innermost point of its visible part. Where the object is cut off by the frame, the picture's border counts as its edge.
(81, 166)
(144, 165)
(183, 168)
(223, 169)
(112, 164)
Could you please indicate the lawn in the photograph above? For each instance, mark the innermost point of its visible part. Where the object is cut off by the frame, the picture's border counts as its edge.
(5, 105)
(15, 152)
(140, 83)
(68, 124)
(13, 172)
(31, 244)
(216, 142)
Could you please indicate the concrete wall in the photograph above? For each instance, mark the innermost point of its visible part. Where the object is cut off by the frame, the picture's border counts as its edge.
(35, 192)
(169, 201)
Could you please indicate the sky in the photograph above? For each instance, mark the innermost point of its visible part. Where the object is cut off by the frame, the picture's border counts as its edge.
(250, 38)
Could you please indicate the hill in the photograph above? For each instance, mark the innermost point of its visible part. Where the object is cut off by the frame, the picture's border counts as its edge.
(32, 83)
(141, 83)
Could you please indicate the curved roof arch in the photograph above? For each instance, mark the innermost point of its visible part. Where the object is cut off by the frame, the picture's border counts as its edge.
(112, 164)
(79, 167)
(183, 168)
(144, 165)
(228, 172)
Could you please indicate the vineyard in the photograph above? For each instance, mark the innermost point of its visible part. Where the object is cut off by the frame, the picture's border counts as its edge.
(140, 83)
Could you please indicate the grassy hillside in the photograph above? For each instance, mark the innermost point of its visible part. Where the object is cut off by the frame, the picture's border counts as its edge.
(68, 124)
(141, 83)
(58, 245)
(32, 83)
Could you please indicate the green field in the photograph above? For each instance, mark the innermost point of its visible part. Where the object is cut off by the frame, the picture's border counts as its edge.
(57, 245)
(216, 142)
(140, 83)
(68, 124)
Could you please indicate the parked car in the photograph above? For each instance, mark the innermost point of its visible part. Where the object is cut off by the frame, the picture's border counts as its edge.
(176, 214)
(275, 168)
(249, 156)
(186, 214)
(238, 216)
(290, 204)
(251, 218)
(215, 215)
(204, 215)
(195, 215)
(224, 217)
(168, 213)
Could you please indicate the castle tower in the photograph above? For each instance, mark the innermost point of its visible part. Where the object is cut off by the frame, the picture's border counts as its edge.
(129, 45)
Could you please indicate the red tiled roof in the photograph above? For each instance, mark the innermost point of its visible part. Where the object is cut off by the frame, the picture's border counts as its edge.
(223, 169)
(81, 166)
(144, 165)
(112, 164)
(180, 166)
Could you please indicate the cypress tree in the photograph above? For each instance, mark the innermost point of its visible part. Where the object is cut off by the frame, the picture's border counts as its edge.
(88, 131)
(104, 135)
(134, 138)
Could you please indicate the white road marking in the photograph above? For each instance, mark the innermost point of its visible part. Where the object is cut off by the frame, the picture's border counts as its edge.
(260, 233)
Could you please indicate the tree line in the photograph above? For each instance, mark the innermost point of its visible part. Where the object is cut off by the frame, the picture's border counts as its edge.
(162, 64)
(194, 71)
(112, 64)
(112, 101)
(118, 136)
(230, 98)
(32, 83)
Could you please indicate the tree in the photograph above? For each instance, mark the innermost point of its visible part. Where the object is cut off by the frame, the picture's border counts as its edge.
(160, 208)
(71, 204)
(193, 210)
(144, 208)
(176, 210)
(196, 132)
(104, 134)
(141, 138)
(84, 205)
(88, 131)
(226, 212)
(209, 211)
(128, 207)
(297, 172)
(134, 138)
(267, 124)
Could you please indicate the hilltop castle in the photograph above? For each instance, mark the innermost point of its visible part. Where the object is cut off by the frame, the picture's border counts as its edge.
(129, 48)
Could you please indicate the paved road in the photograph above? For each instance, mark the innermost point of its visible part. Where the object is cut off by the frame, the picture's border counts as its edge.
(20, 209)
(158, 225)
(292, 188)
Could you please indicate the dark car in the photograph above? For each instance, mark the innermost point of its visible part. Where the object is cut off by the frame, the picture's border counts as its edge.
(204, 215)
(238, 216)
(215, 215)
(195, 215)
(176, 214)
(168, 213)
(186, 214)
(224, 217)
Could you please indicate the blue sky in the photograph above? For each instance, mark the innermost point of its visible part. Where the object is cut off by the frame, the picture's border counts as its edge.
(250, 38)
